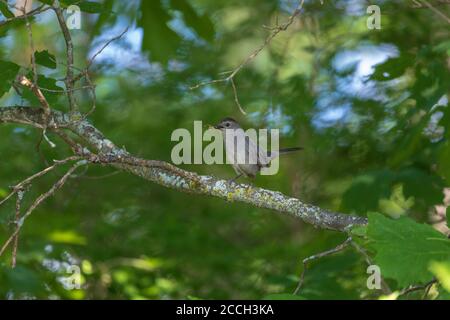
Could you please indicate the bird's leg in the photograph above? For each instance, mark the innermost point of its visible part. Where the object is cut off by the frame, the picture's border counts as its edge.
(237, 177)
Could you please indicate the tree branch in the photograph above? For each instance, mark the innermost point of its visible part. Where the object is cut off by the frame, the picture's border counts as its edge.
(38, 201)
(69, 46)
(167, 175)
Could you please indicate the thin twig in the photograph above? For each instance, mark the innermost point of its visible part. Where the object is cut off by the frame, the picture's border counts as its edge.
(69, 47)
(85, 73)
(33, 12)
(30, 39)
(19, 199)
(21, 185)
(274, 32)
(34, 85)
(39, 200)
(437, 11)
(236, 99)
(107, 43)
(338, 248)
(65, 90)
(23, 80)
(418, 287)
(384, 286)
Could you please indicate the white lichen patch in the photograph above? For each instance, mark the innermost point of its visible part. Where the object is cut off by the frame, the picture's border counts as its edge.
(220, 186)
(172, 180)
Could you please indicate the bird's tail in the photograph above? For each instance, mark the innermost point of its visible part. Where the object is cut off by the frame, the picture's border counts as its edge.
(274, 154)
(288, 150)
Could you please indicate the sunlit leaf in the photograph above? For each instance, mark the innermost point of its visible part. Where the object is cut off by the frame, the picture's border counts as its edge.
(5, 10)
(91, 6)
(7, 75)
(46, 59)
(442, 272)
(393, 68)
(200, 23)
(404, 248)
(161, 41)
(68, 237)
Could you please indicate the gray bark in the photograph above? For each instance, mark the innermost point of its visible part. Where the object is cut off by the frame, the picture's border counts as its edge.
(173, 177)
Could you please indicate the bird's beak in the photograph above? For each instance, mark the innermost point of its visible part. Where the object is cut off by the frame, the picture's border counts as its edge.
(218, 127)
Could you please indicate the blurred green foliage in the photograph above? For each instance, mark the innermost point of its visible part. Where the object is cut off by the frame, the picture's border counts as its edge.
(370, 107)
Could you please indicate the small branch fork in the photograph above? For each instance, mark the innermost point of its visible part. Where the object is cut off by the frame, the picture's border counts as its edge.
(305, 261)
(437, 11)
(58, 185)
(426, 287)
(45, 121)
(340, 247)
(423, 4)
(232, 74)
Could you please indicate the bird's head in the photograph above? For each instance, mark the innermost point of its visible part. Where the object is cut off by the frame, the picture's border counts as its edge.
(227, 123)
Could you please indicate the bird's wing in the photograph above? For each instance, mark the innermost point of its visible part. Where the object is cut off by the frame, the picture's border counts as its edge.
(251, 151)
(262, 158)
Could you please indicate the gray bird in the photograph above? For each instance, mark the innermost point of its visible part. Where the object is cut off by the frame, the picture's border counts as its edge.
(245, 156)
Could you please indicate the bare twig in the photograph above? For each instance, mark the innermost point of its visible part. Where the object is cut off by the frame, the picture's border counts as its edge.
(69, 81)
(91, 87)
(19, 199)
(65, 90)
(437, 11)
(39, 200)
(418, 287)
(274, 32)
(30, 39)
(236, 99)
(338, 248)
(85, 73)
(91, 60)
(34, 85)
(31, 13)
(23, 80)
(384, 286)
(21, 185)
(437, 3)
(43, 101)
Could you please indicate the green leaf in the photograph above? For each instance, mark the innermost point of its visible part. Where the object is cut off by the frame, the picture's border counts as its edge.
(7, 75)
(46, 59)
(91, 7)
(366, 191)
(413, 180)
(404, 248)
(201, 24)
(443, 47)
(442, 272)
(283, 296)
(411, 143)
(393, 68)
(359, 231)
(22, 279)
(66, 3)
(5, 10)
(158, 39)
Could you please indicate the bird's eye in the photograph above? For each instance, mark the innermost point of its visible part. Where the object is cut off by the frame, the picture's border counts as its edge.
(227, 124)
